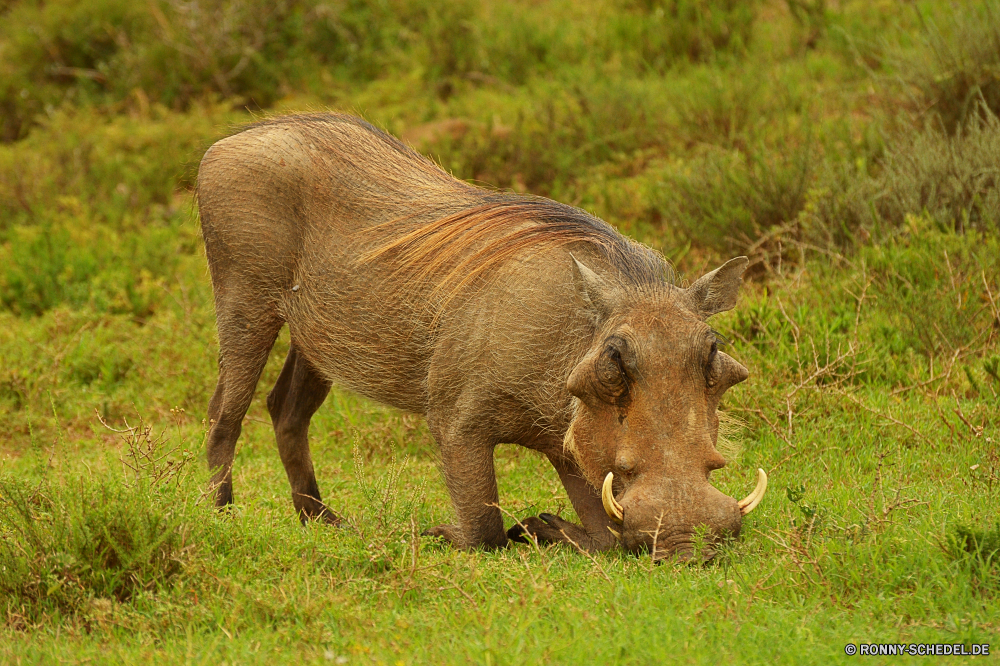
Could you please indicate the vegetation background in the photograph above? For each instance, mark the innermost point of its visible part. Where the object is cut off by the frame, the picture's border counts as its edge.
(851, 148)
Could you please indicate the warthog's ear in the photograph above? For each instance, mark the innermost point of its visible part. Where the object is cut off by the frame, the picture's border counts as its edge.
(595, 291)
(717, 291)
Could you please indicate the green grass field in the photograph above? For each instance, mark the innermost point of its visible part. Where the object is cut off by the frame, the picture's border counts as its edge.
(851, 149)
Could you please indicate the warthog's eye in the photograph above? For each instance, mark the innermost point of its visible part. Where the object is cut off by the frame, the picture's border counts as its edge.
(611, 369)
(607, 378)
(611, 372)
(712, 370)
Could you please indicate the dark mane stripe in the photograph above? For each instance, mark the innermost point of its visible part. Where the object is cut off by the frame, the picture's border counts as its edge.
(451, 252)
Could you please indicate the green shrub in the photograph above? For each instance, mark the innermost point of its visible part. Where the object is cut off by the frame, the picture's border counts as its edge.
(165, 51)
(953, 180)
(978, 550)
(64, 546)
(356, 39)
(957, 73)
(663, 32)
(253, 52)
(89, 210)
(956, 180)
(518, 44)
(61, 51)
(720, 107)
(727, 199)
(73, 260)
(558, 132)
(97, 357)
(250, 51)
(929, 285)
(450, 39)
(121, 171)
(235, 48)
(812, 17)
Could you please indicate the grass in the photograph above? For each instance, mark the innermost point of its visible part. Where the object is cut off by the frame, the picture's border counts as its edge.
(809, 135)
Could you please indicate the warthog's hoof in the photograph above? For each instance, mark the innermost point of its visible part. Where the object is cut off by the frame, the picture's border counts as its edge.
(546, 528)
(449, 533)
(454, 535)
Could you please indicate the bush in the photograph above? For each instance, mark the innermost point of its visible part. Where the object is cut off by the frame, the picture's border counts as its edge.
(253, 52)
(123, 171)
(62, 548)
(930, 286)
(958, 72)
(727, 199)
(722, 108)
(241, 49)
(89, 213)
(598, 120)
(517, 44)
(952, 180)
(978, 550)
(75, 261)
(248, 51)
(956, 180)
(166, 51)
(61, 51)
(732, 200)
(663, 32)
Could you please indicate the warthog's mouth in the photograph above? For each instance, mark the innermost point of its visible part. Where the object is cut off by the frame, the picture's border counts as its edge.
(681, 548)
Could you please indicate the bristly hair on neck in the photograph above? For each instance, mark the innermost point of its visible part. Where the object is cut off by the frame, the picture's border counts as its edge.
(452, 251)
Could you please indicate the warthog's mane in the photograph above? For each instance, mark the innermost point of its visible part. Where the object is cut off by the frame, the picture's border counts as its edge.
(457, 232)
(454, 250)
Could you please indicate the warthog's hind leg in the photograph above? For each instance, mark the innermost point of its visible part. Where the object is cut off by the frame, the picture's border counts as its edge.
(296, 396)
(244, 345)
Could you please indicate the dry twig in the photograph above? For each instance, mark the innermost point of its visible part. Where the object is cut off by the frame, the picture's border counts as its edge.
(145, 455)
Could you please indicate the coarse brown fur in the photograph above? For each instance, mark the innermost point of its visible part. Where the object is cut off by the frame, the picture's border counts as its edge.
(501, 318)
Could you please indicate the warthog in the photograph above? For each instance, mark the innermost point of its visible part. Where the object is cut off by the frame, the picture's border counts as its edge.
(501, 318)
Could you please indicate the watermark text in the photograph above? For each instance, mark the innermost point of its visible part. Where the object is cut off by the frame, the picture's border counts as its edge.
(918, 649)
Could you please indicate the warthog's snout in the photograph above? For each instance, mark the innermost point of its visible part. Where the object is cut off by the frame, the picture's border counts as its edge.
(663, 519)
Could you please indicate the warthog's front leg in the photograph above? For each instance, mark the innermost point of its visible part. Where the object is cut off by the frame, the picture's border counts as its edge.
(594, 535)
(472, 484)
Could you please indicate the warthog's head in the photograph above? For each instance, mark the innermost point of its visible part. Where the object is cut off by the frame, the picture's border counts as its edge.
(646, 425)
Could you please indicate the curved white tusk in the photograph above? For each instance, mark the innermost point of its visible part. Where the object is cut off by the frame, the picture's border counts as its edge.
(750, 502)
(617, 534)
(613, 508)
